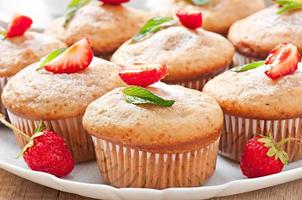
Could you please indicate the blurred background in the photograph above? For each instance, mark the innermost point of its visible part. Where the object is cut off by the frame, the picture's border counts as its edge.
(42, 11)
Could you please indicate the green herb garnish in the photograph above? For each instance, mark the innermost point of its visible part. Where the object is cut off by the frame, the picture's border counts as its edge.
(138, 95)
(197, 2)
(72, 8)
(248, 67)
(2, 32)
(152, 26)
(50, 57)
(288, 5)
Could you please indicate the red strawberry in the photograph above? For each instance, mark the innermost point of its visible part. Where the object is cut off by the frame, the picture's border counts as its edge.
(115, 2)
(190, 20)
(45, 152)
(261, 157)
(18, 26)
(76, 58)
(144, 75)
(283, 60)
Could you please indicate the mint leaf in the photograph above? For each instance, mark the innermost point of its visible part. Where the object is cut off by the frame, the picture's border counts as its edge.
(152, 26)
(50, 57)
(138, 95)
(200, 2)
(72, 8)
(248, 67)
(288, 5)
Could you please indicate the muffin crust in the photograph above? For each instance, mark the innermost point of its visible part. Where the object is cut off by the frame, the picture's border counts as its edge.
(188, 54)
(106, 26)
(253, 95)
(258, 34)
(42, 95)
(19, 52)
(194, 121)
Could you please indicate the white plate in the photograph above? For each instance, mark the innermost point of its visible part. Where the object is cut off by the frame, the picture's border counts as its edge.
(85, 180)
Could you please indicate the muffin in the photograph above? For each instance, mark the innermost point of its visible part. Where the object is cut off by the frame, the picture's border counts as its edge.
(192, 56)
(255, 104)
(106, 26)
(149, 146)
(219, 15)
(256, 35)
(59, 101)
(18, 52)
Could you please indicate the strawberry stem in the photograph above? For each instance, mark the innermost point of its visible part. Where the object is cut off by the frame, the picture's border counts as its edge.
(15, 129)
(284, 141)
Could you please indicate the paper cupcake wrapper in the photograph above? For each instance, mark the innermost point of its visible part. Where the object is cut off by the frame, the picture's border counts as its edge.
(71, 129)
(240, 59)
(197, 84)
(123, 166)
(3, 81)
(237, 131)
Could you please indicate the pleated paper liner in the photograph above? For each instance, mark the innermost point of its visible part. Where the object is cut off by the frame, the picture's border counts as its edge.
(238, 130)
(199, 83)
(71, 129)
(240, 59)
(3, 81)
(123, 166)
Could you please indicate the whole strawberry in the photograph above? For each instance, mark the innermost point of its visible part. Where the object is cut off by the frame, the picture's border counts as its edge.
(46, 151)
(49, 153)
(262, 157)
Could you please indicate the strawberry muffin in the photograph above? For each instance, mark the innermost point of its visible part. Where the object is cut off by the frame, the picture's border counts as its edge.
(156, 137)
(219, 15)
(192, 55)
(107, 25)
(256, 35)
(261, 98)
(57, 91)
(19, 48)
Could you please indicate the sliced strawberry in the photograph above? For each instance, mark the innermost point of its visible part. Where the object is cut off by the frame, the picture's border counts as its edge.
(144, 75)
(115, 2)
(18, 26)
(190, 20)
(283, 60)
(74, 59)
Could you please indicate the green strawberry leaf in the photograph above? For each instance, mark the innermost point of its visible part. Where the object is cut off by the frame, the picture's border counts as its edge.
(72, 8)
(152, 26)
(288, 5)
(138, 95)
(2, 32)
(50, 57)
(248, 67)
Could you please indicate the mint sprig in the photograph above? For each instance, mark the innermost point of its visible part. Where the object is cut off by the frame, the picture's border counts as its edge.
(50, 57)
(138, 96)
(197, 2)
(248, 67)
(72, 8)
(288, 5)
(152, 26)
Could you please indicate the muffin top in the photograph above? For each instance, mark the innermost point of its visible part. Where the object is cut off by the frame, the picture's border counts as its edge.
(106, 26)
(256, 35)
(195, 120)
(218, 15)
(252, 94)
(19, 52)
(43, 95)
(188, 54)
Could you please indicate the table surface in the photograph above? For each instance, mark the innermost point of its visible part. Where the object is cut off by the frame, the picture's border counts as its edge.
(16, 188)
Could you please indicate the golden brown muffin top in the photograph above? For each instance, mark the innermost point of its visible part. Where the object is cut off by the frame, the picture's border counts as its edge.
(19, 52)
(43, 95)
(258, 34)
(106, 26)
(252, 94)
(218, 15)
(195, 120)
(188, 54)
